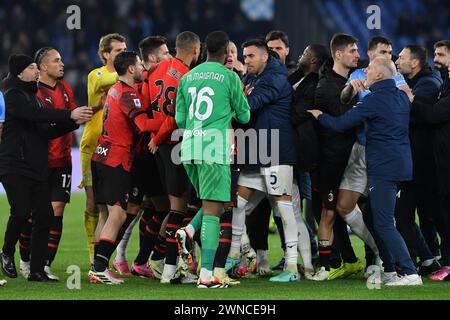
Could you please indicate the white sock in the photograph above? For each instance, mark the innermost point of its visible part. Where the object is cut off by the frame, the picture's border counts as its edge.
(245, 241)
(121, 251)
(190, 230)
(304, 242)
(290, 230)
(356, 222)
(206, 275)
(169, 271)
(237, 228)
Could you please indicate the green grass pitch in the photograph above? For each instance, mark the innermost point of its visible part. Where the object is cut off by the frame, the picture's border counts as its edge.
(73, 251)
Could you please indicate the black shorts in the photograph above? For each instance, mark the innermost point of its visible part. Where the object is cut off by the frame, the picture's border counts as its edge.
(330, 177)
(145, 180)
(110, 185)
(59, 183)
(173, 176)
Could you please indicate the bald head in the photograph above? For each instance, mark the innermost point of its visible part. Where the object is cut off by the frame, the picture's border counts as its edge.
(379, 69)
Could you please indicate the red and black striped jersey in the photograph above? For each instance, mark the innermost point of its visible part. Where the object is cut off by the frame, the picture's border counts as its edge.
(58, 97)
(159, 91)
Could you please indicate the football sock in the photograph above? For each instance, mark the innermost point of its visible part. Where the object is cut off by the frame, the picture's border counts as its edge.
(196, 222)
(90, 223)
(124, 235)
(342, 241)
(224, 239)
(303, 239)
(286, 211)
(169, 270)
(238, 227)
(356, 223)
(304, 243)
(159, 251)
(105, 250)
(54, 238)
(173, 224)
(369, 255)
(210, 241)
(150, 237)
(25, 240)
(145, 218)
(324, 253)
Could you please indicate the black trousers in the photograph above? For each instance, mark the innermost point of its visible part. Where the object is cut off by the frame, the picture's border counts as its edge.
(421, 197)
(27, 196)
(445, 229)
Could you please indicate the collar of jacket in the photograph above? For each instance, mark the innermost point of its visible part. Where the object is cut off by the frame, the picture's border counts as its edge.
(30, 87)
(387, 83)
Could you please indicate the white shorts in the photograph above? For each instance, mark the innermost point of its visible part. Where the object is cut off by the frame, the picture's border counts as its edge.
(355, 174)
(274, 181)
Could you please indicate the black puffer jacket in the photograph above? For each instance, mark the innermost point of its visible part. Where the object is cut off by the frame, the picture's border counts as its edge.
(425, 86)
(28, 127)
(305, 125)
(438, 115)
(335, 147)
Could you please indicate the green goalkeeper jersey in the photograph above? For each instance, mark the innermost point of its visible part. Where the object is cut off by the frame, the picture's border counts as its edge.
(208, 97)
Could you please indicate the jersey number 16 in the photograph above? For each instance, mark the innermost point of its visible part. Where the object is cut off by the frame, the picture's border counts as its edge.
(204, 96)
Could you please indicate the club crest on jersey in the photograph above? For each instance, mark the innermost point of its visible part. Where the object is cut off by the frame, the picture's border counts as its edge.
(137, 103)
(330, 197)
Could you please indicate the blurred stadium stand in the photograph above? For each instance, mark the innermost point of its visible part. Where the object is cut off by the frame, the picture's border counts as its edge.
(26, 25)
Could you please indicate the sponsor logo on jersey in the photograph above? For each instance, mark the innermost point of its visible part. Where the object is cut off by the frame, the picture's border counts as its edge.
(101, 151)
(99, 73)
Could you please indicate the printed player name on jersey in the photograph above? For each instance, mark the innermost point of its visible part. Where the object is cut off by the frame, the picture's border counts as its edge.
(205, 76)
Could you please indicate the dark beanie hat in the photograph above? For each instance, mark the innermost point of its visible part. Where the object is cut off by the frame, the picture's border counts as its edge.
(18, 63)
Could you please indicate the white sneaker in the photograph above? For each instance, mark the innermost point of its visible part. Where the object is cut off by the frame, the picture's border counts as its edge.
(408, 280)
(321, 275)
(189, 278)
(103, 277)
(24, 268)
(3, 282)
(50, 274)
(386, 277)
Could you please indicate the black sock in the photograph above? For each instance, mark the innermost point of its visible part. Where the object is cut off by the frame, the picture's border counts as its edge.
(96, 246)
(342, 241)
(224, 239)
(54, 238)
(25, 241)
(104, 253)
(174, 223)
(370, 256)
(145, 218)
(159, 251)
(335, 257)
(324, 253)
(151, 233)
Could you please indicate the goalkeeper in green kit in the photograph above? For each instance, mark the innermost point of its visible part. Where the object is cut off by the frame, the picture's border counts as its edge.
(208, 97)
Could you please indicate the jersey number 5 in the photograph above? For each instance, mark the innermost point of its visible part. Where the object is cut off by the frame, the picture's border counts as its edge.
(203, 96)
